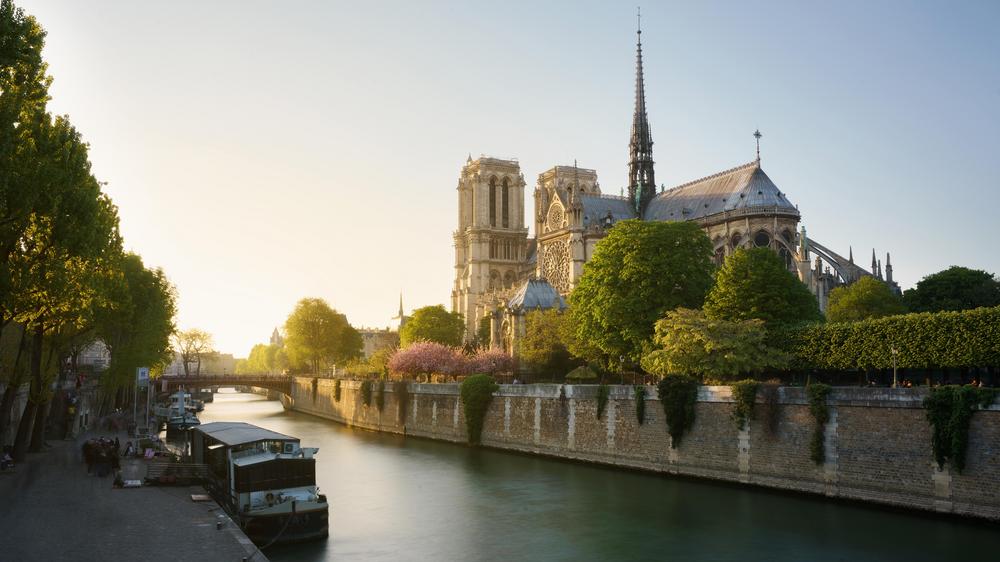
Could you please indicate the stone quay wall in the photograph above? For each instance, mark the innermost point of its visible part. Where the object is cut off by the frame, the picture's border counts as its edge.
(878, 442)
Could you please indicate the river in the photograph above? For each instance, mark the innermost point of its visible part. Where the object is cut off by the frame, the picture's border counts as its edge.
(395, 498)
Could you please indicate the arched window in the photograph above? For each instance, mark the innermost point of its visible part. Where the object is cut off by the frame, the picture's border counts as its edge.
(493, 201)
(736, 240)
(786, 256)
(505, 214)
(762, 239)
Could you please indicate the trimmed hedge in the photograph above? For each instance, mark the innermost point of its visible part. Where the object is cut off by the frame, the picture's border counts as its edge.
(968, 338)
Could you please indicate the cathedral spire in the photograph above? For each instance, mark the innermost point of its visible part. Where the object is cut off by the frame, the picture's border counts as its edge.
(888, 268)
(640, 147)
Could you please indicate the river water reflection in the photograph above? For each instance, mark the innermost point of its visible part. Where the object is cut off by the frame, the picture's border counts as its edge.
(393, 498)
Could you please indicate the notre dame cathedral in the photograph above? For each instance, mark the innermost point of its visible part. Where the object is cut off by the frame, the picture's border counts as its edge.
(501, 273)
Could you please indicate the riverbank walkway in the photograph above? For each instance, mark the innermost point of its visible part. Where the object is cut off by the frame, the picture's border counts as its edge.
(50, 509)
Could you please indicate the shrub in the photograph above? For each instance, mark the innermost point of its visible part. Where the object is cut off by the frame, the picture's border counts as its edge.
(821, 413)
(744, 397)
(366, 392)
(380, 395)
(640, 403)
(582, 374)
(602, 399)
(402, 391)
(949, 411)
(477, 393)
(678, 395)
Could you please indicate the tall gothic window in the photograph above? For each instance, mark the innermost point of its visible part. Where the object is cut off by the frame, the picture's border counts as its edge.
(506, 203)
(493, 201)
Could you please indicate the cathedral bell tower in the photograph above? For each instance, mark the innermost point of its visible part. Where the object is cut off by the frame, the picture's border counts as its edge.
(491, 243)
(641, 181)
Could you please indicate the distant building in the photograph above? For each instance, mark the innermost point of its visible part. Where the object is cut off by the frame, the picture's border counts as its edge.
(374, 339)
(96, 355)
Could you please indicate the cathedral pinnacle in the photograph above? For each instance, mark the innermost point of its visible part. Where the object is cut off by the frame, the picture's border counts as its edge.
(640, 166)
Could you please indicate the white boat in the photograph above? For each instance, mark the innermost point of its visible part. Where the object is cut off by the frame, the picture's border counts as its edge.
(177, 414)
(264, 479)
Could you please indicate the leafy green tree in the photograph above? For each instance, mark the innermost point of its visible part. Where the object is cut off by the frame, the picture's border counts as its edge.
(639, 271)
(433, 324)
(483, 333)
(319, 336)
(756, 284)
(542, 348)
(955, 288)
(136, 320)
(865, 298)
(691, 344)
(24, 87)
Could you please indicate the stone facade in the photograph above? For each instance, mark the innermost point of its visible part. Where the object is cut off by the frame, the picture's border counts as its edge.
(878, 441)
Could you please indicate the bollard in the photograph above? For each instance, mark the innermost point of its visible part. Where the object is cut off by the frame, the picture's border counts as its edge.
(218, 525)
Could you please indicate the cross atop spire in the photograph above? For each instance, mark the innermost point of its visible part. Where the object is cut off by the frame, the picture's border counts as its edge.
(757, 135)
(640, 148)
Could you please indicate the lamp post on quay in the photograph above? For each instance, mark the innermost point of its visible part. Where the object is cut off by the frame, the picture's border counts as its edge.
(894, 352)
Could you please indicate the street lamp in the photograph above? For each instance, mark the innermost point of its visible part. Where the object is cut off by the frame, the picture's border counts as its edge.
(894, 352)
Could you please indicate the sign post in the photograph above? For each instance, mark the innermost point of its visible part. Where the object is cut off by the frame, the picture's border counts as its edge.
(141, 379)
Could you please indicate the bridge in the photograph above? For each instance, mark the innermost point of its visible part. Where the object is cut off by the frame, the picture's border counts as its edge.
(279, 383)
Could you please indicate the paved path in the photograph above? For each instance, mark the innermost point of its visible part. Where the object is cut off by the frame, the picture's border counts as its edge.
(50, 509)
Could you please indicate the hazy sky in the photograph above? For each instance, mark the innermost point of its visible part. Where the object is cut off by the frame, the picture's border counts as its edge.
(261, 152)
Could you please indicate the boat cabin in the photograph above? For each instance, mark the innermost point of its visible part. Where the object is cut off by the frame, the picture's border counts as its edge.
(253, 467)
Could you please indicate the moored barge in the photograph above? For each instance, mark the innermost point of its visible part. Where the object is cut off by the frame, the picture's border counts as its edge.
(264, 479)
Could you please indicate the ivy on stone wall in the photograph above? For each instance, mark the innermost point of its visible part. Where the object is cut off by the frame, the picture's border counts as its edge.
(678, 395)
(315, 389)
(770, 407)
(818, 393)
(640, 403)
(603, 391)
(949, 411)
(336, 390)
(402, 392)
(744, 398)
(968, 338)
(477, 393)
(366, 392)
(380, 395)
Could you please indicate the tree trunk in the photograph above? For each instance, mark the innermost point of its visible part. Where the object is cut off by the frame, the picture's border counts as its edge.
(38, 428)
(42, 411)
(21, 440)
(13, 386)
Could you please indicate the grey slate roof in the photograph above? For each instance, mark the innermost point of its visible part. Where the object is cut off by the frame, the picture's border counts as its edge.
(596, 208)
(238, 433)
(536, 294)
(743, 187)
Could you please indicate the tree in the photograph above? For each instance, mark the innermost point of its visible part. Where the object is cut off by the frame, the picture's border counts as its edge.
(542, 348)
(691, 344)
(639, 271)
(319, 336)
(434, 324)
(865, 298)
(756, 284)
(955, 288)
(193, 346)
(136, 321)
(427, 358)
